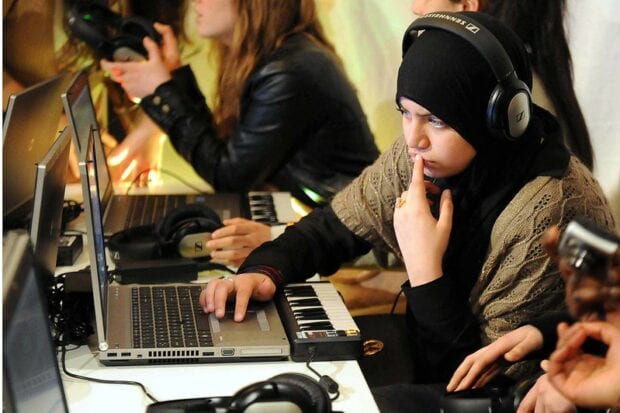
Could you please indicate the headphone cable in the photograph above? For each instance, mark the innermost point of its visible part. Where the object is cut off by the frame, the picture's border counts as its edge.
(165, 172)
(325, 381)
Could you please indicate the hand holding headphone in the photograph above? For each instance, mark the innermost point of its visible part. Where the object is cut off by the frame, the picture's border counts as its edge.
(113, 36)
(183, 232)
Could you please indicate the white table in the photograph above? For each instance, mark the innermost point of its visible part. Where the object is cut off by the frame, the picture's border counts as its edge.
(196, 380)
(169, 382)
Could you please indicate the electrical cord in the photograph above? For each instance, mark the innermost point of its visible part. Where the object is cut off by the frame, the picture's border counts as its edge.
(166, 172)
(70, 325)
(102, 381)
(395, 302)
(325, 381)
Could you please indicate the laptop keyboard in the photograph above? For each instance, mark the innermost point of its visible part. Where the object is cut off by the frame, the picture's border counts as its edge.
(145, 210)
(169, 316)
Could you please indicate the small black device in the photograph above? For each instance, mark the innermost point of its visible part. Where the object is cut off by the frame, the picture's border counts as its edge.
(299, 389)
(69, 248)
(510, 105)
(113, 36)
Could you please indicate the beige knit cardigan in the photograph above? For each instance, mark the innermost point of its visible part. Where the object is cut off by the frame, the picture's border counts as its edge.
(518, 281)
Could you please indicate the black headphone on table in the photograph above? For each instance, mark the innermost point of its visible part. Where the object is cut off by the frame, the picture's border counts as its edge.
(183, 232)
(510, 105)
(114, 36)
(297, 388)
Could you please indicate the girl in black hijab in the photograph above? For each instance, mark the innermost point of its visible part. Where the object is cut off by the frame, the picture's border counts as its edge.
(476, 268)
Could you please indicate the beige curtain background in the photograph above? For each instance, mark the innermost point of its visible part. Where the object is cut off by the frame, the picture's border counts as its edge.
(594, 37)
(367, 35)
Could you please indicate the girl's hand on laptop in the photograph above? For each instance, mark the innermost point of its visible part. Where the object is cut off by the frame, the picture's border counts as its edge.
(231, 244)
(243, 286)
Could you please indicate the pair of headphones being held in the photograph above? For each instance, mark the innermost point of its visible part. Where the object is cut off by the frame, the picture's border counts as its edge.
(110, 34)
(510, 105)
(184, 232)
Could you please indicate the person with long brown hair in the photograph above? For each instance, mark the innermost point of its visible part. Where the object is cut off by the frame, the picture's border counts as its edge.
(285, 115)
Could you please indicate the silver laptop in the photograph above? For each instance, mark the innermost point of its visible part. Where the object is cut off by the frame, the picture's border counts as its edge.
(30, 127)
(31, 378)
(49, 193)
(126, 211)
(153, 324)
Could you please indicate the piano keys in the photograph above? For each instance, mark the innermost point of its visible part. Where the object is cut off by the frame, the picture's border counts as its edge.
(315, 317)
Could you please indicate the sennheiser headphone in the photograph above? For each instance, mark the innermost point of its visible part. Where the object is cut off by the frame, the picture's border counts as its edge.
(113, 36)
(183, 232)
(297, 388)
(510, 104)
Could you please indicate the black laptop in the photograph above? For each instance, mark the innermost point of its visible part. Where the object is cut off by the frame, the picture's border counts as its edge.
(31, 378)
(30, 127)
(127, 211)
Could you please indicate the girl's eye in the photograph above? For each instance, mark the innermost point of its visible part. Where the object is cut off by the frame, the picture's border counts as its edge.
(436, 122)
(403, 111)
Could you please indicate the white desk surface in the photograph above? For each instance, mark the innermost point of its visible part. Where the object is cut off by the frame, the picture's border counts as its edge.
(196, 380)
(169, 382)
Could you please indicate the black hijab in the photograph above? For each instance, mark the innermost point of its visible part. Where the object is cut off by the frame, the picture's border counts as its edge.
(449, 77)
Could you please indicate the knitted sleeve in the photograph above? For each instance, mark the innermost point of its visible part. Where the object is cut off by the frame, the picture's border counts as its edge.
(366, 206)
(519, 282)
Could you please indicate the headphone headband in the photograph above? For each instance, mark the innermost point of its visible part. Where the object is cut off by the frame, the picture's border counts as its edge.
(509, 108)
(474, 33)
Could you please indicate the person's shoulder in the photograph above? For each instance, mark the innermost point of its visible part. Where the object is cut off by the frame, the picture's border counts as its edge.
(556, 199)
(298, 54)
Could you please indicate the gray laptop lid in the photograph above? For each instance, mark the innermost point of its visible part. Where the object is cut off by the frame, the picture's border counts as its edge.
(49, 194)
(81, 117)
(261, 336)
(31, 377)
(30, 127)
(95, 235)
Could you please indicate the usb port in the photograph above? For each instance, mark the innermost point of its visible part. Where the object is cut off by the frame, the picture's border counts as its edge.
(126, 354)
(112, 354)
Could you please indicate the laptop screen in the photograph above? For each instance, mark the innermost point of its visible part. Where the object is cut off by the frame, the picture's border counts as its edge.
(31, 377)
(89, 168)
(49, 195)
(82, 118)
(30, 127)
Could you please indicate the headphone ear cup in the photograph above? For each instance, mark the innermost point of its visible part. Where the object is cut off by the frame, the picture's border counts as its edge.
(186, 220)
(139, 27)
(315, 393)
(127, 49)
(87, 21)
(509, 109)
(188, 226)
(296, 388)
(167, 226)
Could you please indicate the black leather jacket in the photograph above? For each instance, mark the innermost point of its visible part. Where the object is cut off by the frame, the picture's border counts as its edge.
(301, 126)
